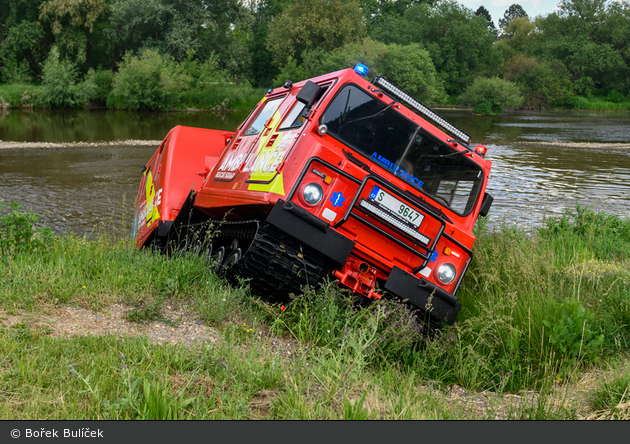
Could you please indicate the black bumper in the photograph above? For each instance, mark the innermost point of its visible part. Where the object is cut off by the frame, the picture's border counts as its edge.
(311, 231)
(432, 299)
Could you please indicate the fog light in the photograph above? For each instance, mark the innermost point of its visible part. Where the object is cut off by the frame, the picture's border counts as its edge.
(446, 273)
(313, 194)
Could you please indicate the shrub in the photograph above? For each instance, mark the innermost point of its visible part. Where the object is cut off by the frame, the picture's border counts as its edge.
(103, 81)
(17, 230)
(60, 83)
(497, 93)
(148, 82)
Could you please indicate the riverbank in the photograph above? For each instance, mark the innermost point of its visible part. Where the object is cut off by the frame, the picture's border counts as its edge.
(544, 334)
(228, 97)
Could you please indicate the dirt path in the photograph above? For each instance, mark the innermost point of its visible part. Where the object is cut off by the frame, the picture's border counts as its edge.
(177, 327)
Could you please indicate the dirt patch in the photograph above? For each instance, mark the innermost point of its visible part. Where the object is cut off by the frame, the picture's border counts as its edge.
(175, 326)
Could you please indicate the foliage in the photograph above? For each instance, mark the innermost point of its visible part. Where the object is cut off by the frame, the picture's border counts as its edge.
(411, 68)
(514, 11)
(17, 230)
(491, 96)
(322, 24)
(580, 48)
(440, 28)
(103, 82)
(61, 87)
(148, 81)
(544, 84)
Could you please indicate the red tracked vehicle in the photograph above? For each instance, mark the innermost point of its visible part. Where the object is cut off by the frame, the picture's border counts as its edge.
(333, 176)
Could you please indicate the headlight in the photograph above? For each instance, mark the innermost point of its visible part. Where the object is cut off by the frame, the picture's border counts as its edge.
(446, 273)
(313, 194)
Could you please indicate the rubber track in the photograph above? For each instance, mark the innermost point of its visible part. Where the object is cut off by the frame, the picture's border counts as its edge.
(276, 265)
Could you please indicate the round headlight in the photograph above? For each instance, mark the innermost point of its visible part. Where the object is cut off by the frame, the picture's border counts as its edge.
(313, 194)
(446, 273)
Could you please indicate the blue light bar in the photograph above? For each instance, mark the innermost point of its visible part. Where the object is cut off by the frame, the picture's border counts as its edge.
(361, 69)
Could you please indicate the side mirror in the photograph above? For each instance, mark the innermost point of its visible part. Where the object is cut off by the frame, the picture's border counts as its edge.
(485, 205)
(308, 94)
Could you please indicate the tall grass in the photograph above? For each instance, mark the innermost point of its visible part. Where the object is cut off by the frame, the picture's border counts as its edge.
(539, 309)
(598, 104)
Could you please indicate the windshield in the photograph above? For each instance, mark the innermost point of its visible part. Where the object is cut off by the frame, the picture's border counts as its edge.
(268, 109)
(382, 134)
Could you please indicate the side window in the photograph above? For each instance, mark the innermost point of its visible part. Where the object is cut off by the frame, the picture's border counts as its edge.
(294, 119)
(268, 109)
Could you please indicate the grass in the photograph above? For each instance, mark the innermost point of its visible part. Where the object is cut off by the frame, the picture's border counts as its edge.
(599, 104)
(541, 311)
(17, 96)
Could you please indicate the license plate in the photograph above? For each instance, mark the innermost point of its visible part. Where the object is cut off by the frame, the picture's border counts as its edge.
(400, 209)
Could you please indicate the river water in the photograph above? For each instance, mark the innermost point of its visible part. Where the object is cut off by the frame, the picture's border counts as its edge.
(82, 189)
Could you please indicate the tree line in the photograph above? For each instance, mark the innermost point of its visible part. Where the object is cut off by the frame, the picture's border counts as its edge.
(159, 54)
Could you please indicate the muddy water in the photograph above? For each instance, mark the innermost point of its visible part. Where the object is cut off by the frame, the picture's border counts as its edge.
(83, 188)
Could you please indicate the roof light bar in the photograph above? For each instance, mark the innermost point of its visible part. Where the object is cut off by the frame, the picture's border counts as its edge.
(395, 221)
(416, 105)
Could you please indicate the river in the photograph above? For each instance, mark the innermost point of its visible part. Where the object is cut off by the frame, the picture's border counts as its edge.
(85, 188)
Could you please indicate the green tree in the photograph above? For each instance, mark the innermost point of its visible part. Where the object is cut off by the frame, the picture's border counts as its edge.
(310, 24)
(22, 39)
(411, 68)
(459, 42)
(73, 23)
(491, 95)
(514, 11)
(483, 12)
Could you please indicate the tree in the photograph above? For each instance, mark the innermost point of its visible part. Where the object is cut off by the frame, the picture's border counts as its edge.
(511, 13)
(458, 41)
(310, 24)
(483, 12)
(73, 23)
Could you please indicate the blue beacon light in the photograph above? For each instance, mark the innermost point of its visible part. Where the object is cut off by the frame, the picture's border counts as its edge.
(361, 69)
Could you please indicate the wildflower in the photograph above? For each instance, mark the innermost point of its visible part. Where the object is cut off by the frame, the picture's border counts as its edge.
(84, 286)
(122, 356)
(282, 308)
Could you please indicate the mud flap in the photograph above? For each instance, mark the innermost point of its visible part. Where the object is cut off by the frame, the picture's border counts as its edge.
(440, 304)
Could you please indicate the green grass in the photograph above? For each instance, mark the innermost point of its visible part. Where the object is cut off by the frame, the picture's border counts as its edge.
(17, 96)
(540, 310)
(598, 104)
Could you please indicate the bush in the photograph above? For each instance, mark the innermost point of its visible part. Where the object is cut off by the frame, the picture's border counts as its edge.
(494, 94)
(148, 82)
(17, 230)
(103, 81)
(60, 83)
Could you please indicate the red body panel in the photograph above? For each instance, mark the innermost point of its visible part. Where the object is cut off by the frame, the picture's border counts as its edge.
(178, 166)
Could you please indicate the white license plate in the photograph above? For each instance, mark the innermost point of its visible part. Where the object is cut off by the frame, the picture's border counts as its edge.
(401, 210)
